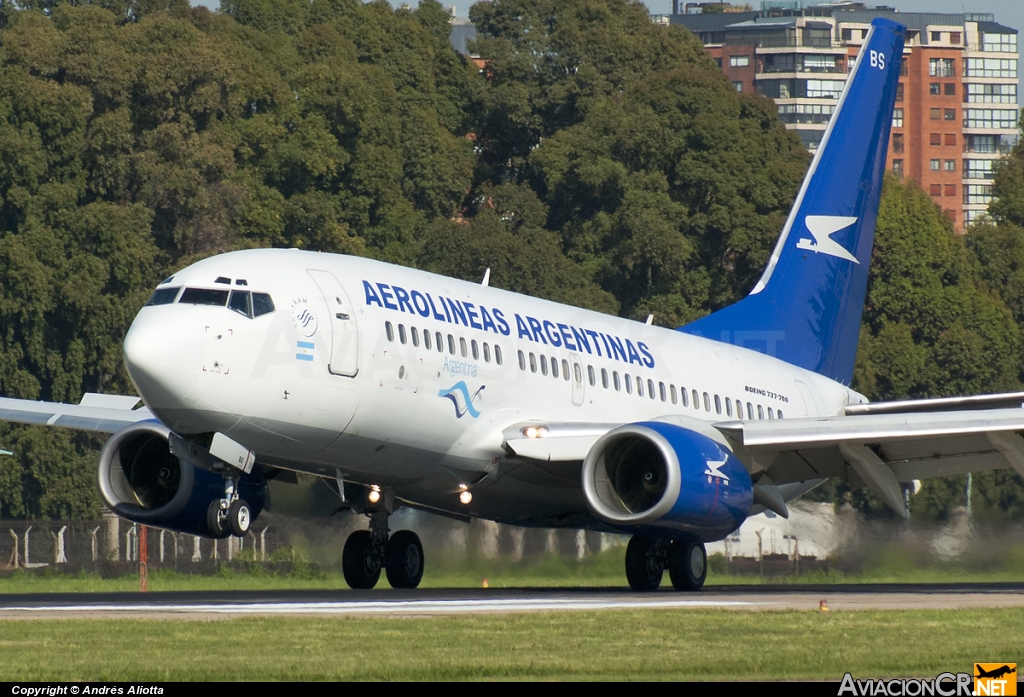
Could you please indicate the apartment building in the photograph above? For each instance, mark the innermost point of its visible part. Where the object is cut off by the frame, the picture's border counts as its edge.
(957, 108)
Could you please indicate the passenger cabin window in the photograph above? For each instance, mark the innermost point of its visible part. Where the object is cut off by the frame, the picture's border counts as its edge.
(696, 400)
(591, 375)
(675, 395)
(718, 404)
(522, 361)
(163, 296)
(389, 331)
(615, 380)
(533, 363)
(685, 395)
(462, 347)
(629, 383)
(604, 378)
(451, 344)
(204, 296)
(543, 364)
(476, 350)
(565, 371)
(415, 336)
(554, 367)
(439, 342)
(497, 354)
(728, 407)
(760, 412)
(426, 339)
(650, 389)
(401, 333)
(707, 402)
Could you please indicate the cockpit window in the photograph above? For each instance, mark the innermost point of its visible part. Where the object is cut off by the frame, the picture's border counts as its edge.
(163, 296)
(204, 296)
(261, 304)
(240, 302)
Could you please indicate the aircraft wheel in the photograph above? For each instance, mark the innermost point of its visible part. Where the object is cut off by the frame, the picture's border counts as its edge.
(214, 520)
(239, 518)
(644, 564)
(403, 559)
(687, 565)
(359, 564)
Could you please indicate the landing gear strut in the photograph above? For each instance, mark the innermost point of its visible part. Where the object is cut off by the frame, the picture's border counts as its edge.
(647, 558)
(229, 515)
(368, 551)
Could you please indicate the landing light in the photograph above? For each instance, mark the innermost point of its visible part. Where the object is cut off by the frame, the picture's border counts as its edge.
(465, 497)
(374, 495)
(535, 431)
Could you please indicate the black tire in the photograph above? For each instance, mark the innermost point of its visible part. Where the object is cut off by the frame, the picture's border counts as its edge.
(359, 564)
(214, 522)
(403, 560)
(239, 518)
(644, 566)
(687, 565)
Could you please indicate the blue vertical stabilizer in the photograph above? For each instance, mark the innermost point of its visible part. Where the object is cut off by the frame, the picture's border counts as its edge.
(806, 309)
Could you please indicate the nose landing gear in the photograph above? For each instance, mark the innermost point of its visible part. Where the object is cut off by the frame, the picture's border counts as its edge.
(229, 515)
(368, 551)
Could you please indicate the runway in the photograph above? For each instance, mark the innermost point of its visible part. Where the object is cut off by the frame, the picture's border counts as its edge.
(433, 601)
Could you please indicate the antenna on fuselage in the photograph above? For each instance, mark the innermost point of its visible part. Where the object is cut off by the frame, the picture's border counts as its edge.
(487, 277)
(650, 318)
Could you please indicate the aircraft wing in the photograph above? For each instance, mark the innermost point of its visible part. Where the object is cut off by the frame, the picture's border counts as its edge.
(102, 413)
(881, 445)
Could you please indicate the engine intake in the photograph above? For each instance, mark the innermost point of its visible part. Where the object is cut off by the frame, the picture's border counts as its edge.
(666, 476)
(142, 481)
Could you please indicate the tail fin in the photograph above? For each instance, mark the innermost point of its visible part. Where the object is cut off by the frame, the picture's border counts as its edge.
(807, 307)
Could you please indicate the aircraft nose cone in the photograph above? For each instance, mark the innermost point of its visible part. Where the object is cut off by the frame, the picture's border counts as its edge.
(162, 360)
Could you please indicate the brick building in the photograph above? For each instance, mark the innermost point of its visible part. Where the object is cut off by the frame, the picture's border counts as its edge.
(956, 112)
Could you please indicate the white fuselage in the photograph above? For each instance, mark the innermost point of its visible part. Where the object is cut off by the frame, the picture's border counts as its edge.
(339, 380)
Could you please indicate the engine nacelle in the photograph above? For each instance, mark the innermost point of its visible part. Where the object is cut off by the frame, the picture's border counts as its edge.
(666, 477)
(142, 481)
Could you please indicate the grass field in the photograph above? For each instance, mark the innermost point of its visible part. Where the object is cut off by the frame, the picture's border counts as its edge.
(600, 570)
(608, 645)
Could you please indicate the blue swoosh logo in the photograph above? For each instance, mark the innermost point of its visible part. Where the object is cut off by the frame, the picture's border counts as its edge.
(457, 389)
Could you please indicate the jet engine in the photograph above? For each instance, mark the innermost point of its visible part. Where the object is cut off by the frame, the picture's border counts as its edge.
(661, 477)
(140, 479)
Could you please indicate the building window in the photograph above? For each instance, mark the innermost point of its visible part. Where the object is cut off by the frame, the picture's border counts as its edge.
(934, 114)
(952, 214)
(979, 169)
(934, 139)
(935, 189)
(949, 165)
(738, 85)
(950, 139)
(949, 89)
(990, 94)
(949, 190)
(991, 67)
(935, 88)
(990, 118)
(897, 117)
(739, 61)
(899, 92)
(847, 34)
(935, 36)
(949, 114)
(941, 67)
(999, 43)
(897, 142)
(824, 89)
(933, 165)
(977, 194)
(954, 37)
(897, 167)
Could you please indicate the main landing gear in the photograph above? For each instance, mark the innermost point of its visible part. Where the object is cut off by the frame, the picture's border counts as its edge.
(368, 551)
(647, 558)
(229, 515)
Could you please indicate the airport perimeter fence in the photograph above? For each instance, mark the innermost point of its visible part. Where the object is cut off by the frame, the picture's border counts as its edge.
(283, 544)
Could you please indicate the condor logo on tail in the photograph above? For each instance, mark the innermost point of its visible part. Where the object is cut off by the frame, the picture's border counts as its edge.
(822, 227)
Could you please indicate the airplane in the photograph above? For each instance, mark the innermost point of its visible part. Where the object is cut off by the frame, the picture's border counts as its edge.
(403, 388)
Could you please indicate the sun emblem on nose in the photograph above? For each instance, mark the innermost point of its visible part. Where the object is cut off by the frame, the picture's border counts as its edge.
(304, 317)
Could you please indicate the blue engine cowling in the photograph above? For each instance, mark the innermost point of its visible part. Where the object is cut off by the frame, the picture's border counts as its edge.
(659, 477)
(142, 481)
